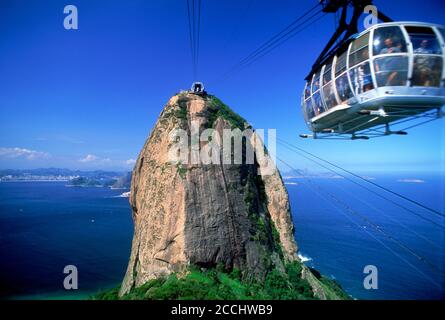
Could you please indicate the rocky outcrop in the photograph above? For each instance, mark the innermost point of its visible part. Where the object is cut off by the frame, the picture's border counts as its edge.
(233, 215)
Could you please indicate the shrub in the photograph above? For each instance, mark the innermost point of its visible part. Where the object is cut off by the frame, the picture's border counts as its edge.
(218, 283)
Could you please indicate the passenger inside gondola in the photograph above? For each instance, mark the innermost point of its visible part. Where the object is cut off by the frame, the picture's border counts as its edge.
(424, 47)
(364, 75)
(343, 88)
(316, 85)
(390, 47)
(391, 65)
(309, 109)
(427, 71)
(318, 108)
(362, 79)
(367, 78)
(427, 67)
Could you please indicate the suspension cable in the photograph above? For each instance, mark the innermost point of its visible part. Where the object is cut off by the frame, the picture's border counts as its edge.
(197, 42)
(272, 47)
(396, 221)
(284, 35)
(362, 186)
(194, 26)
(194, 39)
(274, 38)
(191, 36)
(376, 227)
(367, 181)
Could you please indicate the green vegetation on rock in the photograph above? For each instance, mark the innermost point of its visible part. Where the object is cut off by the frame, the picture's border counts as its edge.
(222, 110)
(220, 284)
(181, 113)
(331, 287)
(181, 170)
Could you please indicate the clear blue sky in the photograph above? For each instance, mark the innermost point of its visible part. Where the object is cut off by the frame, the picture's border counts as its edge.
(88, 98)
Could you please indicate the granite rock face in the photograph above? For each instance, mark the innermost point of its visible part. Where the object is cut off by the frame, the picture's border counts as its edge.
(236, 215)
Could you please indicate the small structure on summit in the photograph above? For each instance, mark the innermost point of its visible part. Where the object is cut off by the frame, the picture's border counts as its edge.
(198, 88)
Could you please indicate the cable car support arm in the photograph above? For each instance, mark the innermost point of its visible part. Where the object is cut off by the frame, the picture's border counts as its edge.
(348, 28)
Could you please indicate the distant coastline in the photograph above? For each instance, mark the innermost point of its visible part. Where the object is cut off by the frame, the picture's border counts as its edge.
(74, 178)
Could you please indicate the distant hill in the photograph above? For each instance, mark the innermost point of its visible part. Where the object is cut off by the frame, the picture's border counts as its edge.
(98, 178)
(91, 182)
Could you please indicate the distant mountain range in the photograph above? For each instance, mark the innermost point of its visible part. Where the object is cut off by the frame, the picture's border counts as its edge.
(97, 178)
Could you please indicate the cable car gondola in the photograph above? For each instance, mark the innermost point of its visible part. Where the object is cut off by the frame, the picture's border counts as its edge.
(389, 73)
(198, 88)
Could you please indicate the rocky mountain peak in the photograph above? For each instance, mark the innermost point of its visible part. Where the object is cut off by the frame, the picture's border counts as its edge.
(205, 214)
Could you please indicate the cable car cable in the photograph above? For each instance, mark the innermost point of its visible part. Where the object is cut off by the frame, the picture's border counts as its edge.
(265, 52)
(364, 187)
(359, 226)
(268, 44)
(198, 35)
(350, 194)
(276, 43)
(194, 26)
(379, 229)
(191, 38)
(368, 181)
(194, 38)
(265, 44)
(376, 227)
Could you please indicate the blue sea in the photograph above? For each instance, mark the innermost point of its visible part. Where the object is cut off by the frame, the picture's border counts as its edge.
(45, 226)
(340, 229)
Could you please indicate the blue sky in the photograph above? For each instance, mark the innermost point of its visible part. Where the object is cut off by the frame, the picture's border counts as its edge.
(88, 98)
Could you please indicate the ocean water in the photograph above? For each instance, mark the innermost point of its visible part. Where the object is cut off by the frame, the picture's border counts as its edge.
(45, 226)
(341, 228)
